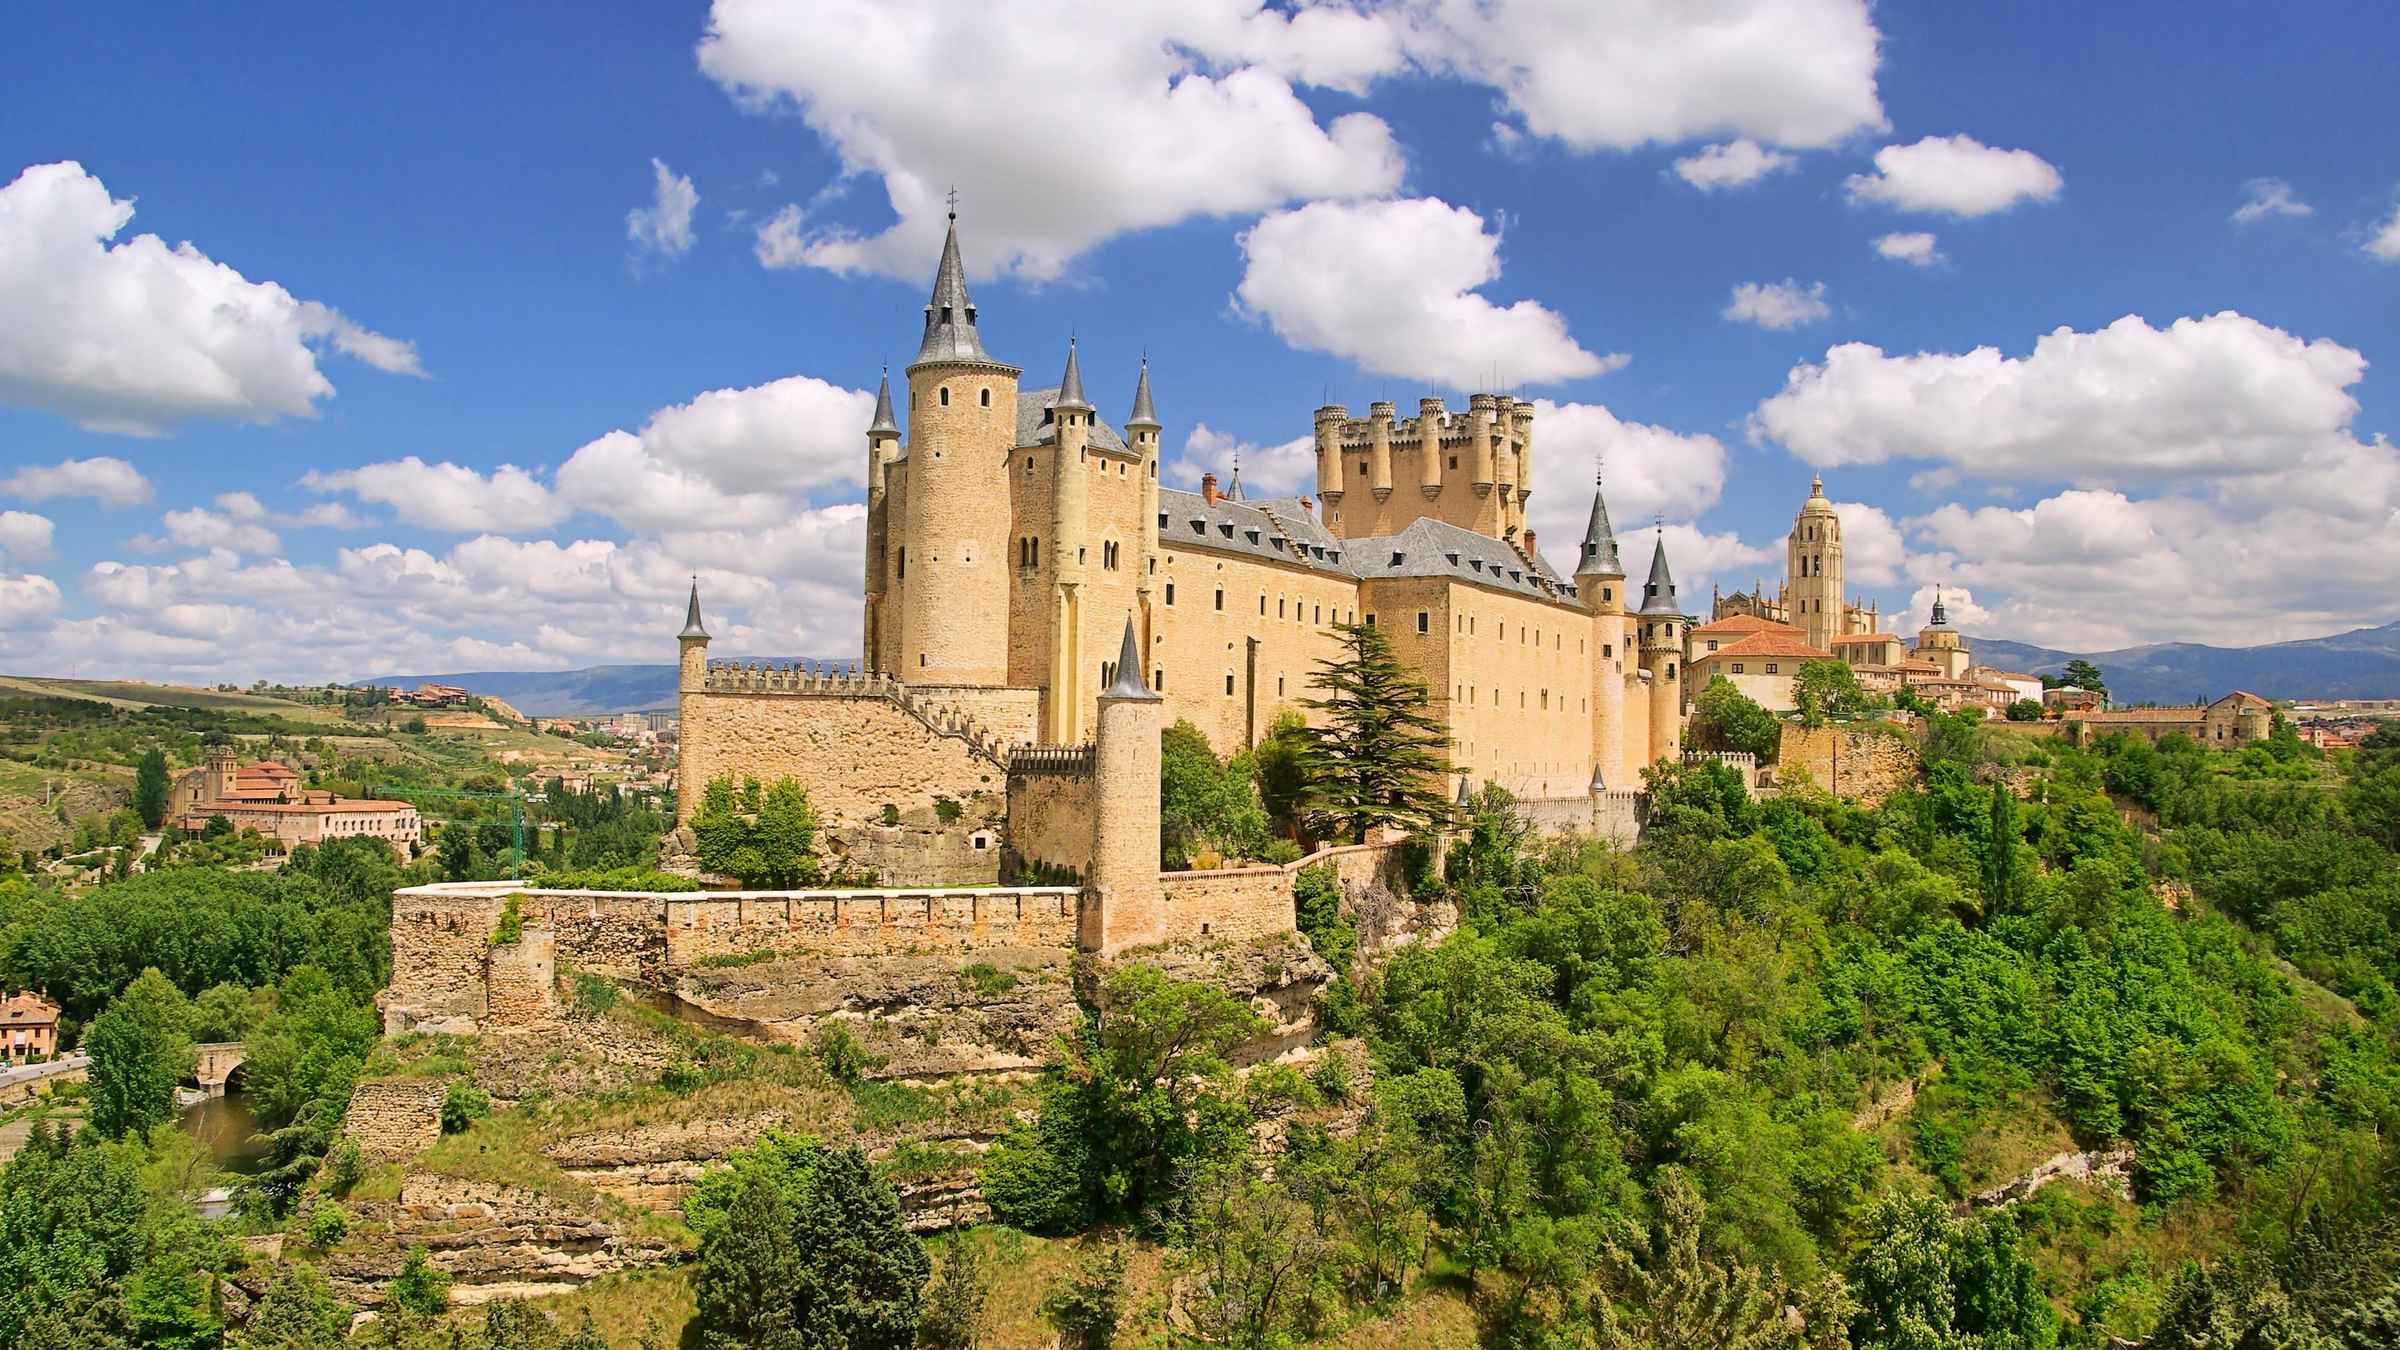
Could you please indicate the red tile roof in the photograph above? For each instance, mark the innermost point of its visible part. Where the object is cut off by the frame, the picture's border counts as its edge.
(1855, 639)
(1769, 644)
(1742, 623)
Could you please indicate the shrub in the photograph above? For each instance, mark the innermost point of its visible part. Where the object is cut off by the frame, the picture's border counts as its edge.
(891, 814)
(420, 1287)
(2025, 710)
(843, 1054)
(511, 928)
(954, 1306)
(1317, 912)
(328, 1224)
(947, 810)
(1086, 1304)
(802, 1245)
(462, 1105)
(988, 978)
(344, 1165)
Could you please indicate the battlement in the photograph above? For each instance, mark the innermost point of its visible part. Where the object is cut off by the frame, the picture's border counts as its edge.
(808, 680)
(1057, 761)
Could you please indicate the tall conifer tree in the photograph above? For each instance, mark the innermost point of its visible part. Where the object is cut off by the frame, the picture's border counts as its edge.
(1379, 758)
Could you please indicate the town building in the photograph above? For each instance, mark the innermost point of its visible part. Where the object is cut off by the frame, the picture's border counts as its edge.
(2238, 718)
(1760, 657)
(28, 1027)
(1812, 598)
(268, 797)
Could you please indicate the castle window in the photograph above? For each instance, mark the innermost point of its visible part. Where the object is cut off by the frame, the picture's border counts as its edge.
(1262, 604)
(1029, 473)
(1229, 684)
(1670, 670)
(1170, 592)
(1608, 593)
(1454, 461)
(1108, 673)
(901, 563)
(1220, 599)
(1737, 667)
(1423, 620)
(1279, 686)
(1320, 614)
(1774, 668)
(1370, 618)
(945, 396)
(987, 398)
(1158, 678)
(1279, 607)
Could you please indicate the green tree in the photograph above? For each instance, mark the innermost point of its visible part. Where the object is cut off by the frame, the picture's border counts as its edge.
(2000, 852)
(151, 788)
(421, 1287)
(1926, 1277)
(1204, 803)
(1281, 765)
(1725, 718)
(70, 1228)
(140, 1047)
(1671, 1293)
(2082, 674)
(2025, 710)
(298, 1312)
(954, 1307)
(760, 837)
(1828, 690)
(804, 1246)
(1086, 1304)
(1380, 758)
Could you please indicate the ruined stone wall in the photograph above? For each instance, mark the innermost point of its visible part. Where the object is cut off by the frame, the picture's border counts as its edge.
(853, 752)
(926, 851)
(1050, 818)
(866, 923)
(1865, 762)
(1238, 904)
(439, 940)
(518, 979)
(444, 965)
(394, 1118)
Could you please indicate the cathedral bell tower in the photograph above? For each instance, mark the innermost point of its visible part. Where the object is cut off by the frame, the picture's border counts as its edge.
(1813, 569)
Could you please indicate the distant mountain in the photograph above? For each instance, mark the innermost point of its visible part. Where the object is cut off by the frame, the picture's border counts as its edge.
(2362, 663)
(588, 692)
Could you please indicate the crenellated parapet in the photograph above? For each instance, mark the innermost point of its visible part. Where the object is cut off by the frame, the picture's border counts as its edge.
(1051, 761)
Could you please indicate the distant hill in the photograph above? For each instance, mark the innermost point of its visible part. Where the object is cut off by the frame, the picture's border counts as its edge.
(2362, 663)
(588, 692)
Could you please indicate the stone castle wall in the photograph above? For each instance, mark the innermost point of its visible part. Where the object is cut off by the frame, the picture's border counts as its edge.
(853, 752)
(1867, 763)
(866, 923)
(1238, 904)
(1050, 818)
(394, 1118)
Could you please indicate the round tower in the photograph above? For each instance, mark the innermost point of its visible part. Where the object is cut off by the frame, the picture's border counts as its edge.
(1141, 429)
(883, 446)
(1123, 905)
(1600, 585)
(1329, 453)
(1661, 621)
(691, 681)
(1813, 569)
(1070, 516)
(950, 555)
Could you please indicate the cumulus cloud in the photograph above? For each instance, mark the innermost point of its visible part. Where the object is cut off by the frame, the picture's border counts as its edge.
(447, 496)
(136, 337)
(665, 225)
(1955, 175)
(2264, 197)
(1172, 112)
(2385, 242)
(1873, 549)
(24, 537)
(1778, 304)
(1284, 470)
(2224, 394)
(1651, 471)
(104, 479)
(200, 528)
(1914, 247)
(1731, 165)
(1392, 286)
(26, 598)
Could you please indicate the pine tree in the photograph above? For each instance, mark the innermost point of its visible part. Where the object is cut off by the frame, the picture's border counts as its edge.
(2000, 853)
(1380, 757)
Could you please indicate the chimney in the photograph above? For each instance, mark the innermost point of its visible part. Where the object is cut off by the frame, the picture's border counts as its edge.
(1208, 488)
(1309, 504)
(1532, 549)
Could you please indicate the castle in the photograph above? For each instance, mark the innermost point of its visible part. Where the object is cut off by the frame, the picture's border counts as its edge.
(1026, 573)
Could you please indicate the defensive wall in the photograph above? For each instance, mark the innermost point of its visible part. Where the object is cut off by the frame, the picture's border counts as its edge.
(1867, 762)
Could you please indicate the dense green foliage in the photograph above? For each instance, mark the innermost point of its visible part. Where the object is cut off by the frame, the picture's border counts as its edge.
(1725, 718)
(150, 788)
(802, 1246)
(1209, 809)
(1378, 758)
(140, 1047)
(1829, 690)
(762, 837)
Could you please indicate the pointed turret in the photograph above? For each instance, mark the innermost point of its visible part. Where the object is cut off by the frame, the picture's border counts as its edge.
(1233, 485)
(691, 615)
(950, 316)
(1658, 594)
(1599, 542)
(1130, 683)
(1941, 613)
(1070, 385)
(884, 424)
(1145, 417)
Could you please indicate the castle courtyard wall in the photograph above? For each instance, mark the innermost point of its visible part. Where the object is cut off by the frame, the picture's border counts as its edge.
(1050, 818)
(854, 753)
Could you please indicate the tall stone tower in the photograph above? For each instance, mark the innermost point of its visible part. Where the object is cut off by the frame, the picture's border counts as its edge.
(883, 446)
(691, 679)
(1813, 569)
(950, 552)
(1661, 620)
(1070, 521)
(1600, 585)
(1123, 905)
(1141, 429)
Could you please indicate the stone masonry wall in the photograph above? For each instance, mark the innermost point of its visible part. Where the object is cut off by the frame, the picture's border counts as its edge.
(854, 753)
(867, 923)
(394, 1118)
(1050, 818)
(1237, 904)
(1867, 763)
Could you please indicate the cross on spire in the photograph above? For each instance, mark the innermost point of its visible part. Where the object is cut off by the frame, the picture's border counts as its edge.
(953, 199)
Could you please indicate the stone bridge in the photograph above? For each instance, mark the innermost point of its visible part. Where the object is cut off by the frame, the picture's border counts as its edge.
(216, 1063)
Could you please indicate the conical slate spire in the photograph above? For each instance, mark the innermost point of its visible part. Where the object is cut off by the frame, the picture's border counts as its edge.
(691, 615)
(1070, 385)
(1145, 417)
(1599, 542)
(1233, 485)
(1130, 683)
(884, 421)
(950, 316)
(1658, 594)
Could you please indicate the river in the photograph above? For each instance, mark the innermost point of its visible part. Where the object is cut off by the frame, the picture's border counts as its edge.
(226, 1128)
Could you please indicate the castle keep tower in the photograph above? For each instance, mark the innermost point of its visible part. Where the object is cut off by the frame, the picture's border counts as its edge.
(691, 678)
(1662, 655)
(1600, 585)
(949, 561)
(1813, 569)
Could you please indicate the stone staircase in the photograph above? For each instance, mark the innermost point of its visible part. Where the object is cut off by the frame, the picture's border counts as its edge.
(812, 680)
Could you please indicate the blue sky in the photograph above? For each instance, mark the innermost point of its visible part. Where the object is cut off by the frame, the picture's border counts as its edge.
(419, 394)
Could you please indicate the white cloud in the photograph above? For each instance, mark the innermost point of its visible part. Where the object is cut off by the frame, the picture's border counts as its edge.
(1652, 471)
(1733, 164)
(1171, 112)
(1958, 606)
(2385, 243)
(665, 225)
(200, 528)
(1149, 115)
(1392, 286)
(1778, 304)
(2224, 394)
(447, 496)
(1955, 175)
(1914, 247)
(1285, 470)
(1873, 549)
(24, 537)
(105, 479)
(135, 337)
(26, 598)
(2269, 197)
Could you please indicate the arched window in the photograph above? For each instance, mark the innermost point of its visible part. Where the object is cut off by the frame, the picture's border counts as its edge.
(945, 396)
(987, 398)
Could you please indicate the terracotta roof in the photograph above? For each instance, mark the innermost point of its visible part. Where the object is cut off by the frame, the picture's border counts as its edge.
(320, 808)
(1768, 644)
(2194, 714)
(1854, 639)
(28, 1010)
(1742, 623)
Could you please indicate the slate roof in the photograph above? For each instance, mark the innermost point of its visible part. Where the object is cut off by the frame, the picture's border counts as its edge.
(1034, 426)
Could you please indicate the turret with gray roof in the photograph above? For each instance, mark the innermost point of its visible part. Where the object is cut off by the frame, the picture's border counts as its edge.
(884, 423)
(1599, 558)
(1658, 594)
(1145, 417)
(950, 315)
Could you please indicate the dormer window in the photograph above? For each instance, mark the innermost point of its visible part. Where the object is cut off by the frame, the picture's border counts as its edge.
(1399, 558)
